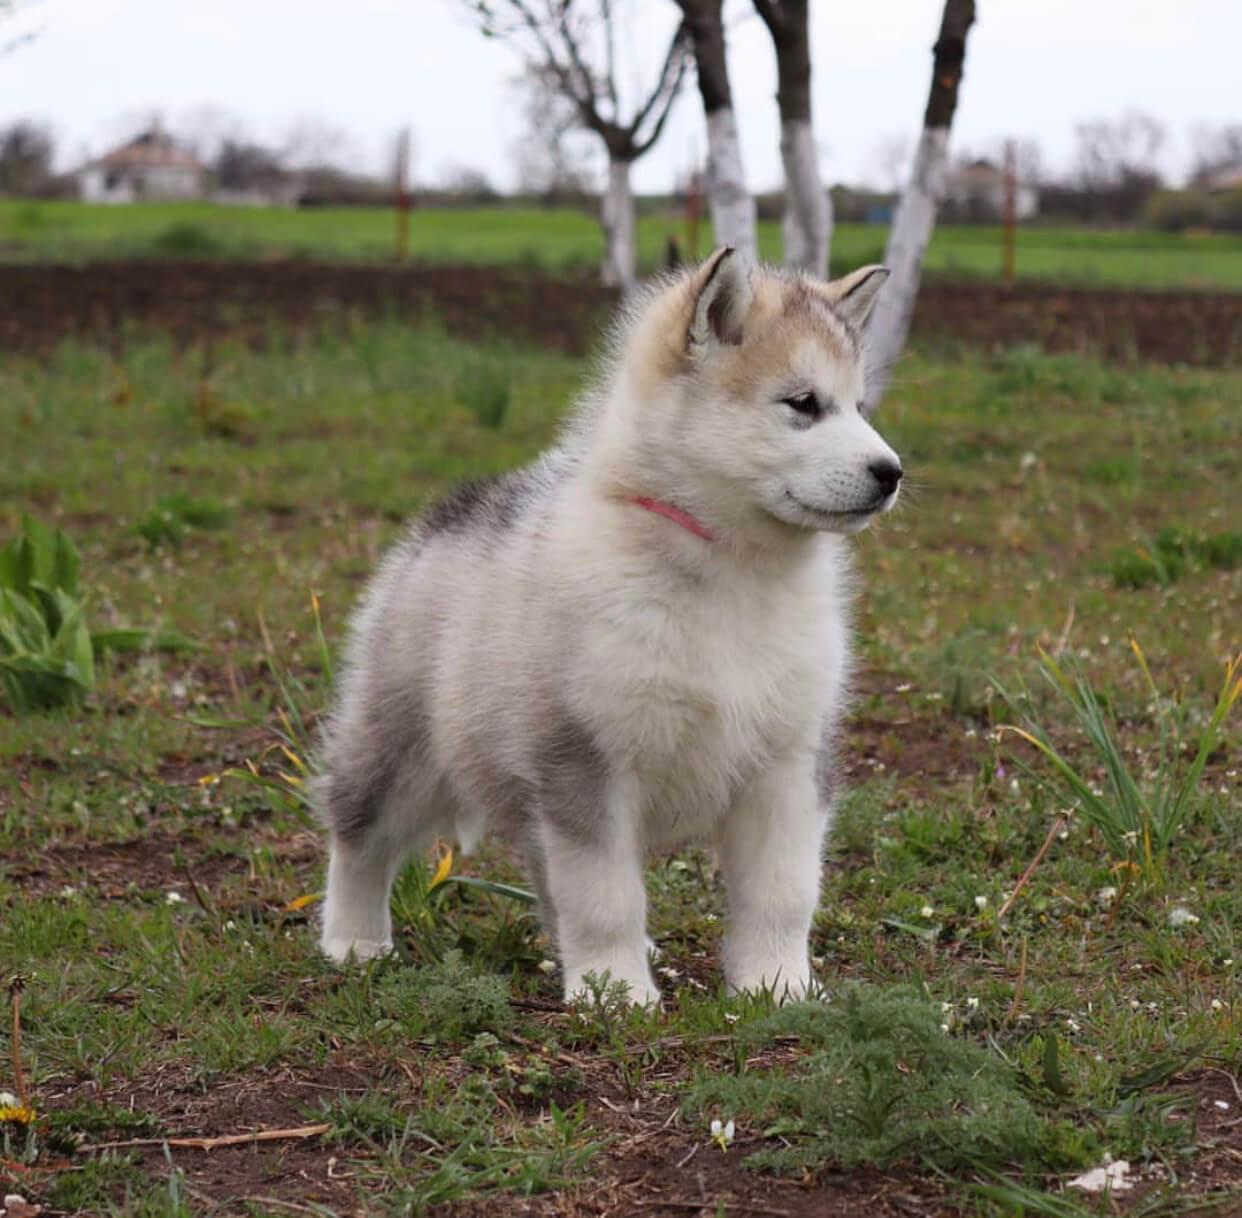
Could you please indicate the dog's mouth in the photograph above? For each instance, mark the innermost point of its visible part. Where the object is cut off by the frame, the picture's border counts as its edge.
(843, 516)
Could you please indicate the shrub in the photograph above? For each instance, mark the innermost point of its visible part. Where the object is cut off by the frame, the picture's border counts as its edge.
(186, 239)
(883, 1081)
(485, 390)
(47, 654)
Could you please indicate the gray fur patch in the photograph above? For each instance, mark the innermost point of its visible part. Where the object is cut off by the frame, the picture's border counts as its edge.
(827, 769)
(571, 777)
(364, 766)
(489, 503)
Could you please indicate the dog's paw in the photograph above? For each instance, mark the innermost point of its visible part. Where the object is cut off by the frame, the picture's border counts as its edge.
(343, 949)
(641, 991)
(791, 984)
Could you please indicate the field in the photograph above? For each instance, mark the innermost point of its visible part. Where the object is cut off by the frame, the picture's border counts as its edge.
(564, 239)
(158, 864)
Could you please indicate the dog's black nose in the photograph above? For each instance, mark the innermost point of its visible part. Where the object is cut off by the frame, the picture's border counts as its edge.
(887, 474)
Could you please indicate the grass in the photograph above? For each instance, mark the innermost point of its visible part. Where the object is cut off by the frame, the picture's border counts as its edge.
(160, 915)
(562, 239)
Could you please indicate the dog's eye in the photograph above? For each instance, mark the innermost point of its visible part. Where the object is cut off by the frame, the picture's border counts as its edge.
(805, 404)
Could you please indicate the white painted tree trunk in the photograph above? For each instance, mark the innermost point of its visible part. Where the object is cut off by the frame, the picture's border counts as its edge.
(617, 218)
(907, 242)
(733, 208)
(807, 226)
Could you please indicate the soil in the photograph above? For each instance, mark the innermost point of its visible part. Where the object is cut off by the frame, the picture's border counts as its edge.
(111, 301)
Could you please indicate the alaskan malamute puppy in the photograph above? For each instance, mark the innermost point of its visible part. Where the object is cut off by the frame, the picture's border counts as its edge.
(638, 641)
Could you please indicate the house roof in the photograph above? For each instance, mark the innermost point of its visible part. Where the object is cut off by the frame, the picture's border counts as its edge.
(1226, 179)
(150, 150)
(976, 173)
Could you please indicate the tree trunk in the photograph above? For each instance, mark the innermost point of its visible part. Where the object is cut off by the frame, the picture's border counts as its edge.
(732, 207)
(916, 213)
(617, 218)
(807, 226)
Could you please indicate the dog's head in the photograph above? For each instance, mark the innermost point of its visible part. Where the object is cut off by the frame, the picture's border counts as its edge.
(761, 391)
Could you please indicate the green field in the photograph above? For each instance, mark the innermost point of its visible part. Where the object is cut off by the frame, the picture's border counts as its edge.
(150, 887)
(569, 239)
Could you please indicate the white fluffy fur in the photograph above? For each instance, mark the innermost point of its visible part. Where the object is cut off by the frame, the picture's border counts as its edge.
(710, 673)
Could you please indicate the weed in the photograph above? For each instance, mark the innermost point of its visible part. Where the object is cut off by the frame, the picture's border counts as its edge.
(1138, 818)
(173, 515)
(185, 240)
(47, 654)
(484, 389)
(883, 1080)
(451, 1000)
(1174, 550)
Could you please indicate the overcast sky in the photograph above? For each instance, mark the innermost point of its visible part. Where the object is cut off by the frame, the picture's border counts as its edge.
(1034, 68)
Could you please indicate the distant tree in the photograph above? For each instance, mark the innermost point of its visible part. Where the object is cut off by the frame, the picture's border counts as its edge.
(888, 161)
(313, 143)
(240, 165)
(807, 225)
(731, 203)
(467, 182)
(550, 157)
(205, 130)
(916, 212)
(1214, 150)
(10, 42)
(26, 153)
(1116, 164)
(574, 43)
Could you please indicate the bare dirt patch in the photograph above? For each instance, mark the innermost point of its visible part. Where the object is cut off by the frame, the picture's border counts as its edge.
(158, 862)
(103, 301)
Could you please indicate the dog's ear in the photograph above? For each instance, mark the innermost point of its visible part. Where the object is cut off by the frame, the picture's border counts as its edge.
(722, 292)
(854, 295)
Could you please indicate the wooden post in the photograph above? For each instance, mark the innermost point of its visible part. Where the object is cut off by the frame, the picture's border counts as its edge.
(694, 209)
(1009, 214)
(401, 196)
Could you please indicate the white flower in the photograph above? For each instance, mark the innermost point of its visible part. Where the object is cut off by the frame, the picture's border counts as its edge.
(1106, 896)
(722, 1135)
(1110, 1177)
(944, 1027)
(547, 966)
(1072, 1024)
(1217, 1005)
(972, 1003)
(9, 1100)
(174, 898)
(68, 891)
(1179, 915)
(981, 902)
(926, 912)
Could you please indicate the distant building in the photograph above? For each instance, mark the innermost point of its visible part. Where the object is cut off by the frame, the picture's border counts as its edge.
(1229, 178)
(976, 191)
(152, 166)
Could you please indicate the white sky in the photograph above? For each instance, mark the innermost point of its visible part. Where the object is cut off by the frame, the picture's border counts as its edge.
(1034, 68)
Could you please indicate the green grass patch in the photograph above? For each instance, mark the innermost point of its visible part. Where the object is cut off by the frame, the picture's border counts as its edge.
(569, 239)
(158, 862)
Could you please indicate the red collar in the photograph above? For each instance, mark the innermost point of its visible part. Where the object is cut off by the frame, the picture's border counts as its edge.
(675, 514)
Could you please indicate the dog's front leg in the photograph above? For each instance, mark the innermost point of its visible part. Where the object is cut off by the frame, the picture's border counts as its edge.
(770, 843)
(593, 866)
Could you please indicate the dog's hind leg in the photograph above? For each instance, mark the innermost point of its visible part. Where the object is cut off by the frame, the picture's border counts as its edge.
(377, 796)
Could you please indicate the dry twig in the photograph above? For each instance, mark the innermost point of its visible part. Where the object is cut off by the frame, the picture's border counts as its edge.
(229, 1139)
